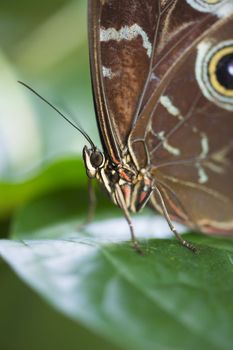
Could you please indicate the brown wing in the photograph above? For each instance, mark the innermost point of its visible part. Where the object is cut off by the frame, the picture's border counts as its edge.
(127, 38)
(184, 132)
(121, 35)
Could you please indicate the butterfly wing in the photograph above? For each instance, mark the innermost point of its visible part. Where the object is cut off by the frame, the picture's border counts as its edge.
(148, 101)
(185, 128)
(121, 35)
(127, 38)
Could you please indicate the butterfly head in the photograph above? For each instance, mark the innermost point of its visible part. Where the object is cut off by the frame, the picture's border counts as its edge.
(94, 160)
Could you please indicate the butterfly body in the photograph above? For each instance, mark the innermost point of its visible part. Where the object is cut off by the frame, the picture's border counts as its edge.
(128, 187)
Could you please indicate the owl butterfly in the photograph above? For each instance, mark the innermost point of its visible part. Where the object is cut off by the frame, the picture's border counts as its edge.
(162, 74)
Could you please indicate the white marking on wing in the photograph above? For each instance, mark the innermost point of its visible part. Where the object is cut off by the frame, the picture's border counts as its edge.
(153, 77)
(107, 72)
(203, 177)
(204, 145)
(166, 102)
(126, 33)
(169, 148)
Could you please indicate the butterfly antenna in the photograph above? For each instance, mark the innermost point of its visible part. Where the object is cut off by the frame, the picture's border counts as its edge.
(71, 122)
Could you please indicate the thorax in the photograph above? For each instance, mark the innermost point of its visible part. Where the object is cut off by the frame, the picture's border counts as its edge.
(126, 185)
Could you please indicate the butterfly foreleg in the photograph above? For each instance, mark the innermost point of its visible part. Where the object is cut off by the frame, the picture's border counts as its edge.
(121, 202)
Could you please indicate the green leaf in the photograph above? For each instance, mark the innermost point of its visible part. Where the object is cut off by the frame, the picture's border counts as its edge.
(167, 299)
(36, 325)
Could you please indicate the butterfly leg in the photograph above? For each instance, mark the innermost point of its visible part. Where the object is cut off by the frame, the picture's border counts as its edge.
(184, 243)
(135, 243)
(181, 240)
(122, 204)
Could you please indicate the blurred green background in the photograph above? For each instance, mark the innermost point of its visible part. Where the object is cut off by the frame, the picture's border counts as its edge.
(43, 43)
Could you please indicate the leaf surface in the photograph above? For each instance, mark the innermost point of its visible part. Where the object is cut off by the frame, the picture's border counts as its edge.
(167, 299)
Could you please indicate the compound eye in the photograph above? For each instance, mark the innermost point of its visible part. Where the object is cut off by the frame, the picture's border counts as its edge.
(96, 159)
